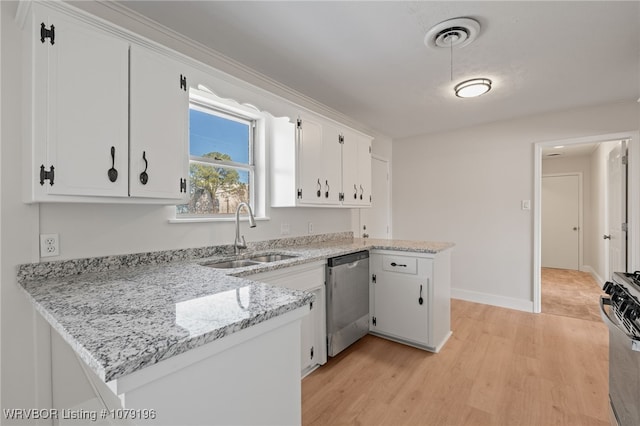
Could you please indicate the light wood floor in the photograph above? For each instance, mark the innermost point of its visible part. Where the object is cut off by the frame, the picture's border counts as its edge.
(570, 293)
(500, 367)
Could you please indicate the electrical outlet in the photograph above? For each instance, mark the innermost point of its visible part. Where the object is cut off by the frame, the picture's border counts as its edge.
(310, 226)
(49, 245)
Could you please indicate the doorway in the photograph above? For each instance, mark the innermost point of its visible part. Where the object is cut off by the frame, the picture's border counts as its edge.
(594, 244)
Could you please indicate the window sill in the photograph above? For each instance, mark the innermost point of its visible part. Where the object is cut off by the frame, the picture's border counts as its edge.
(215, 219)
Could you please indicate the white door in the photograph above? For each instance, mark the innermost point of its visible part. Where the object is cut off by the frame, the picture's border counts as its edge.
(375, 222)
(617, 209)
(561, 222)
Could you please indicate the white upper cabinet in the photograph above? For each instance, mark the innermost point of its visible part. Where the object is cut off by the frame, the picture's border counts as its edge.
(109, 118)
(329, 161)
(318, 163)
(159, 108)
(356, 169)
(80, 102)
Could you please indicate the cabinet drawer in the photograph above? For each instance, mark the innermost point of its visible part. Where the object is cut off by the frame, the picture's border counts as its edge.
(405, 265)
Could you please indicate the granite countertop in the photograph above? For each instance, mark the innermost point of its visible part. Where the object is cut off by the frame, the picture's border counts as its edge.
(133, 311)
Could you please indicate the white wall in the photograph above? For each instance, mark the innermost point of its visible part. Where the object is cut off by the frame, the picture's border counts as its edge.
(18, 229)
(466, 186)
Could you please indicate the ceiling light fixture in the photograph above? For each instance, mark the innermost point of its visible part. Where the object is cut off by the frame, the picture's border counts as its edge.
(472, 88)
(458, 32)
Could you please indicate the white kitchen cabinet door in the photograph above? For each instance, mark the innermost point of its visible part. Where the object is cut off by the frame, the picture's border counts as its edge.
(397, 309)
(332, 159)
(319, 162)
(159, 108)
(313, 340)
(310, 165)
(356, 170)
(313, 330)
(80, 105)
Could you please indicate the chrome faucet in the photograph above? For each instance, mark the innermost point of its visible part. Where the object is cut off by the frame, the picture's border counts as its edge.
(240, 243)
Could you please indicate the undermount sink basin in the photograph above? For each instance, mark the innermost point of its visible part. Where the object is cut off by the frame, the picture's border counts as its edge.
(228, 264)
(239, 263)
(271, 258)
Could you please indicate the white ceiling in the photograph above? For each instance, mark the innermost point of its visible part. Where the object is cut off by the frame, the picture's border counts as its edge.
(367, 59)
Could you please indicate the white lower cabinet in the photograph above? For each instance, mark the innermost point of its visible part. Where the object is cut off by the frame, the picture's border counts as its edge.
(410, 297)
(313, 332)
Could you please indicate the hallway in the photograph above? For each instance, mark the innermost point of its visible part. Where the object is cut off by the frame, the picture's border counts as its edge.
(570, 293)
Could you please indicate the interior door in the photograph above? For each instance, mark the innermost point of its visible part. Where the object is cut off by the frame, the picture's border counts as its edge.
(375, 222)
(561, 222)
(617, 208)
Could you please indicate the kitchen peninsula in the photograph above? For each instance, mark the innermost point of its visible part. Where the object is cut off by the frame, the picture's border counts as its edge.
(197, 344)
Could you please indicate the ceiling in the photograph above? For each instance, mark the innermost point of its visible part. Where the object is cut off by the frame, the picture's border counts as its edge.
(562, 151)
(368, 60)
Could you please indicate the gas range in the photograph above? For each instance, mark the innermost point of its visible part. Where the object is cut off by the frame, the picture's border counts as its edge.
(624, 292)
(620, 311)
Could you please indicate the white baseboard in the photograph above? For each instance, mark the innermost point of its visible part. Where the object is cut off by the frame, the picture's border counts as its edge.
(594, 274)
(492, 299)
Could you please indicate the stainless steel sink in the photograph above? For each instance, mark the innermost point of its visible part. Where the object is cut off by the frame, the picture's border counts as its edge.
(271, 258)
(228, 264)
(239, 263)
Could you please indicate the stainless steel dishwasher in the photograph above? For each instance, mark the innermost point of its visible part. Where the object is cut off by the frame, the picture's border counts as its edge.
(347, 300)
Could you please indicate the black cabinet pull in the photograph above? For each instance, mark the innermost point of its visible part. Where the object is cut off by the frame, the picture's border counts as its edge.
(144, 177)
(355, 192)
(394, 264)
(326, 194)
(361, 191)
(112, 172)
(319, 191)
(420, 299)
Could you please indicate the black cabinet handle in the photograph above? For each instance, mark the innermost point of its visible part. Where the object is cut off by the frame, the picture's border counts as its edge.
(319, 191)
(420, 299)
(112, 172)
(326, 194)
(355, 192)
(361, 191)
(394, 264)
(144, 177)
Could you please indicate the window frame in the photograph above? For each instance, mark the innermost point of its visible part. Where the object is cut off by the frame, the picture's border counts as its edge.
(207, 103)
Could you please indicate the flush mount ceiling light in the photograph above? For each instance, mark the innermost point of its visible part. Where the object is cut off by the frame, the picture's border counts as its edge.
(472, 88)
(458, 32)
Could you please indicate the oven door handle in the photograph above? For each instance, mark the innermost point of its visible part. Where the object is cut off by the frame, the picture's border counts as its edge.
(611, 323)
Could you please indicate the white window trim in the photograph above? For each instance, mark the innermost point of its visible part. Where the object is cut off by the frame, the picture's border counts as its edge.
(206, 102)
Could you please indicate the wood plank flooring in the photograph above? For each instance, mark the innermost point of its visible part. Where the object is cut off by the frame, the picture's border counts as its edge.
(500, 367)
(570, 293)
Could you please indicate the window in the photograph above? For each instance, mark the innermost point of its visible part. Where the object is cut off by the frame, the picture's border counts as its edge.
(221, 163)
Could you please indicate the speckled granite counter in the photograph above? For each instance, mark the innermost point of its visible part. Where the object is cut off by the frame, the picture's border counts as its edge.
(133, 311)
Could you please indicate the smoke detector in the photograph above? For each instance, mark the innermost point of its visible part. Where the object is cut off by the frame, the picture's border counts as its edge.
(457, 32)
